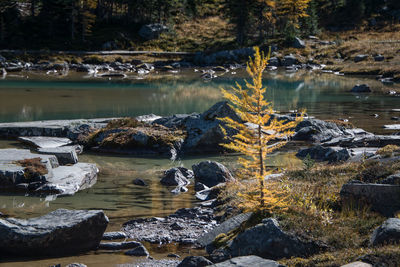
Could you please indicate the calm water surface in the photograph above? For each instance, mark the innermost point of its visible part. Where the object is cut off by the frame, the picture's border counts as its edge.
(36, 96)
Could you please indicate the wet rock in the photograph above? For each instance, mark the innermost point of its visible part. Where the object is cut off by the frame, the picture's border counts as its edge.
(179, 189)
(273, 62)
(298, 43)
(186, 172)
(174, 177)
(246, 261)
(114, 235)
(157, 230)
(211, 173)
(383, 198)
(194, 261)
(138, 251)
(207, 239)
(152, 31)
(45, 141)
(60, 232)
(330, 154)
(359, 58)
(361, 88)
(387, 233)
(140, 182)
(119, 245)
(269, 241)
(65, 154)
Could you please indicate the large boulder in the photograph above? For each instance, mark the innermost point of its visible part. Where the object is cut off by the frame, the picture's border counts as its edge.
(174, 177)
(268, 241)
(289, 60)
(60, 232)
(317, 131)
(330, 154)
(383, 198)
(204, 133)
(152, 31)
(246, 261)
(211, 173)
(388, 232)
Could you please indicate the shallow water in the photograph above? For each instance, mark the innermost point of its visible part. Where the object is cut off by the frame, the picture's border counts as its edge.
(35, 96)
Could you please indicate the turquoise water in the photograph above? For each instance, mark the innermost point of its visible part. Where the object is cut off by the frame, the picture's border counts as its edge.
(327, 96)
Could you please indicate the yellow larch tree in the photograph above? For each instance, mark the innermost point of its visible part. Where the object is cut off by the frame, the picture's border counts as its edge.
(293, 10)
(259, 127)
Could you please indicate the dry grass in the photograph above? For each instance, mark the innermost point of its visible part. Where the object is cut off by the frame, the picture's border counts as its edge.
(388, 151)
(33, 167)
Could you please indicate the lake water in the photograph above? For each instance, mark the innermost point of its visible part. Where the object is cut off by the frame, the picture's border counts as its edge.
(36, 96)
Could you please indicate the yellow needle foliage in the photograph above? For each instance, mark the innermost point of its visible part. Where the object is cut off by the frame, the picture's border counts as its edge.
(293, 10)
(254, 135)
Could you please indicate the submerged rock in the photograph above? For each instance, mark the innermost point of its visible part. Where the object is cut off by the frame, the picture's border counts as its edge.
(140, 182)
(61, 232)
(361, 88)
(387, 233)
(211, 173)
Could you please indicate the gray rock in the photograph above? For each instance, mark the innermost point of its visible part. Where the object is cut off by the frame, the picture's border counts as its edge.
(387, 233)
(273, 61)
(194, 261)
(119, 245)
(225, 227)
(152, 31)
(210, 193)
(140, 182)
(174, 177)
(320, 153)
(179, 189)
(298, 43)
(289, 60)
(361, 88)
(67, 180)
(383, 198)
(71, 129)
(357, 264)
(76, 265)
(267, 240)
(65, 154)
(359, 58)
(114, 235)
(246, 261)
(173, 255)
(186, 172)
(211, 173)
(60, 232)
(45, 142)
(138, 251)
(200, 187)
(379, 58)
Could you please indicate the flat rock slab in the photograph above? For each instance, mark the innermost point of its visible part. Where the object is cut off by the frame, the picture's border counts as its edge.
(392, 126)
(65, 154)
(119, 245)
(67, 180)
(61, 232)
(56, 128)
(357, 264)
(45, 142)
(383, 198)
(11, 173)
(246, 261)
(184, 226)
